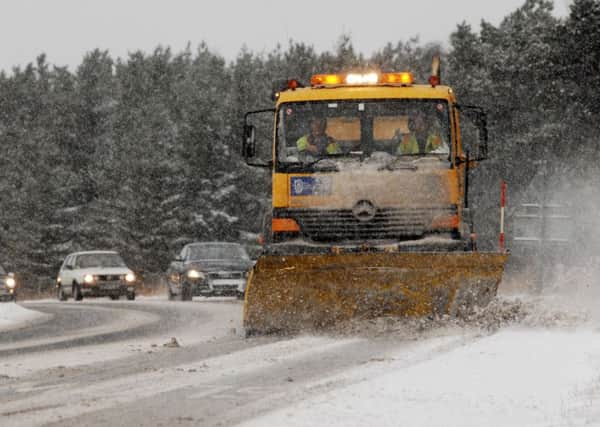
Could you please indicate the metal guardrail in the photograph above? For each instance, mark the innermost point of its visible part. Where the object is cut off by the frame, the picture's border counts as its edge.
(542, 231)
(548, 223)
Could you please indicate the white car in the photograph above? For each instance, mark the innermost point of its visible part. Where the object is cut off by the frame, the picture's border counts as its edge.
(94, 274)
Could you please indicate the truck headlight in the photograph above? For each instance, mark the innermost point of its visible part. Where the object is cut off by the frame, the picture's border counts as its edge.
(130, 277)
(88, 278)
(195, 274)
(10, 282)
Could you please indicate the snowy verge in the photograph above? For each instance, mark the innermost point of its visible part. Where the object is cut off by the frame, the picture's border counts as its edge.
(13, 316)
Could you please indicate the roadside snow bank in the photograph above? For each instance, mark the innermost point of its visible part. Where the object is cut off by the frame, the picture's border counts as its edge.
(13, 316)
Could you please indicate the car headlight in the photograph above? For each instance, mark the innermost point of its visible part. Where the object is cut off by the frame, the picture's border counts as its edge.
(88, 278)
(130, 277)
(10, 282)
(195, 274)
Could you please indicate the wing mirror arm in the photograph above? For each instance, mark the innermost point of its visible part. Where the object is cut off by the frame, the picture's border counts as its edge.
(479, 118)
(249, 139)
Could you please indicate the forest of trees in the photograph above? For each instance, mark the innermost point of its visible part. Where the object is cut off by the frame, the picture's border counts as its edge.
(141, 154)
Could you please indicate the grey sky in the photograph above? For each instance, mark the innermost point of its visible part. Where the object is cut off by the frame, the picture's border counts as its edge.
(66, 29)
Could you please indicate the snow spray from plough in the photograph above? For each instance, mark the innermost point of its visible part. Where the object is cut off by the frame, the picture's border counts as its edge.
(370, 213)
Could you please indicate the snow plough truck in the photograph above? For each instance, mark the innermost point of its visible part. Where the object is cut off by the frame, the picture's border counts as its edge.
(370, 213)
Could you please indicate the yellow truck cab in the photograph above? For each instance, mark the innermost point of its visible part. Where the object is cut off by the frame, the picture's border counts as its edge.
(394, 171)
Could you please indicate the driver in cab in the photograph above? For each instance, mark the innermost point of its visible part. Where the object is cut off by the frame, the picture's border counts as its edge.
(317, 142)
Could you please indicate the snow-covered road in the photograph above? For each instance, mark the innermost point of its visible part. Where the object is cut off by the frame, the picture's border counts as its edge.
(527, 363)
(512, 378)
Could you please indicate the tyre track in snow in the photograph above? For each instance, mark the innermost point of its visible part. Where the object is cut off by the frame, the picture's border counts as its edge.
(235, 398)
(219, 383)
(78, 325)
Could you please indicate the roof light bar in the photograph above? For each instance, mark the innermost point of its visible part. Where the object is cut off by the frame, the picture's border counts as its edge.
(363, 79)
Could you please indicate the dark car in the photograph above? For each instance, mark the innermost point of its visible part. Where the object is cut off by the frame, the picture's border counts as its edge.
(208, 269)
(8, 286)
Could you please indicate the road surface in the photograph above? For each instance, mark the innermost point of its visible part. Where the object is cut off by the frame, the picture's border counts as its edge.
(152, 362)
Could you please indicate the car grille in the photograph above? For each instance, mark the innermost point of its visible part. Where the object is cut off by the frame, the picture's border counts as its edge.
(226, 275)
(225, 287)
(341, 224)
(108, 278)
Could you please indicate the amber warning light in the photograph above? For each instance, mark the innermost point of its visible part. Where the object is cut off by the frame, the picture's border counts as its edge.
(326, 80)
(398, 78)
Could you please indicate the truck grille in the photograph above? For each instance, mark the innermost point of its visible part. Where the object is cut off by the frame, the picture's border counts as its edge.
(342, 224)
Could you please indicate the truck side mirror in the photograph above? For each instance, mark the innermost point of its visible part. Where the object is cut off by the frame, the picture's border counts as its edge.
(249, 141)
(475, 123)
(249, 137)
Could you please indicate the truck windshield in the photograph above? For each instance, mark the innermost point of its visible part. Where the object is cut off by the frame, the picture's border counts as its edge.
(310, 131)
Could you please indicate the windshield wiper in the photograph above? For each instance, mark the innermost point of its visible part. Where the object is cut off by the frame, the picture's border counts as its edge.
(326, 166)
(314, 165)
(395, 165)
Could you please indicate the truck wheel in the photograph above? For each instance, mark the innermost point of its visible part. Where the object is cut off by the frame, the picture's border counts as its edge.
(77, 295)
(60, 294)
(131, 296)
(186, 292)
(115, 297)
(249, 333)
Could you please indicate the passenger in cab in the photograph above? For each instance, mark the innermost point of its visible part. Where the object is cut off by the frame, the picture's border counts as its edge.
(421, 138)
(317, 142)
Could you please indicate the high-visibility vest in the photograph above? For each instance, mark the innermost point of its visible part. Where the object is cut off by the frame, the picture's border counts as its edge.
(433, 142)
(409, 144)
(332, 147)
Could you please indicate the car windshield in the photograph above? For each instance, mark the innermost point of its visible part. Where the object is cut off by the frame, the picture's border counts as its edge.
(310, 131)
(216, 251)
(99, 260)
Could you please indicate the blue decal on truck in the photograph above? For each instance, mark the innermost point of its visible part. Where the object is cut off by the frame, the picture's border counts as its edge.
(310, 186)
(302, 185)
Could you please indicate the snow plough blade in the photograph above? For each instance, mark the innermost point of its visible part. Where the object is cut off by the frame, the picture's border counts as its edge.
(291, 293)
